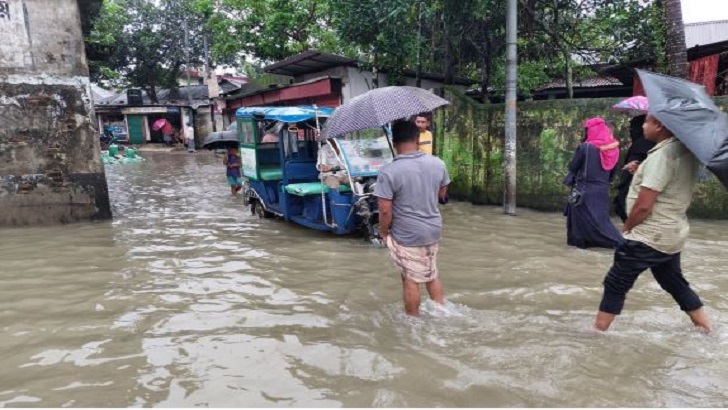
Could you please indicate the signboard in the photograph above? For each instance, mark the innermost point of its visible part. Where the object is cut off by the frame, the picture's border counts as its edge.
(247, 156)
(14, 38)
(144, 110)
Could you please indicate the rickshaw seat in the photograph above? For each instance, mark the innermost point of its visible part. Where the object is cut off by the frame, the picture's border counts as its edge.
(270, 172)
(312, 188)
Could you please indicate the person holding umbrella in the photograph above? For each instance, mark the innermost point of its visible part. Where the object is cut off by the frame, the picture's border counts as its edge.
(409, 219)
(637, 152)
(408, 189)
(637, 108)
(686, 127)
(165, 127)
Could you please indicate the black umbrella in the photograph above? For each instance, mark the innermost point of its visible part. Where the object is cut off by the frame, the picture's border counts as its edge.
(692, 116)
(378, 107)
(220, 141)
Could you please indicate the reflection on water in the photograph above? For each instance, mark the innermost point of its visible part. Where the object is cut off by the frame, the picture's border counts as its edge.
(185, 299)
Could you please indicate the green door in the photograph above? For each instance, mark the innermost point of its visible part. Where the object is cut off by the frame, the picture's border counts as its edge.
(136, 128)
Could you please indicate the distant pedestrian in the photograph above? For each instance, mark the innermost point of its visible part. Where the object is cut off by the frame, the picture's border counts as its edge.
(233, 164)
(189, 137)
(656, 228)
(587, 214)
(409, 219)
(637, 152)
(167, 134)
(423, 124)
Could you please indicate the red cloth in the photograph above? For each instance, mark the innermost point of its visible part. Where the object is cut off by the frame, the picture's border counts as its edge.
(167, 129)
(637, 88)
(704, 71)
(599, 134)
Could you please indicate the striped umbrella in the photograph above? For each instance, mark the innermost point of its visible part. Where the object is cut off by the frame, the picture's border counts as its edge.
(379, 107)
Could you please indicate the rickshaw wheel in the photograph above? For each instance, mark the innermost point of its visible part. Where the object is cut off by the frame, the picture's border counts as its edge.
(246, 194)
(260, 211)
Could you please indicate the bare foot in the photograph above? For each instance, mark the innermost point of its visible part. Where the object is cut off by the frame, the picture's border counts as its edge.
(603, 321)
(700, 320)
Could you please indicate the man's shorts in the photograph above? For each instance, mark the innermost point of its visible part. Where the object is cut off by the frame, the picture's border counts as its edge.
(234, 181)
(416, 263)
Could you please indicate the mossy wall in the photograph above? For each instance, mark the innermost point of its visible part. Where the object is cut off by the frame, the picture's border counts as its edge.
(469, 138)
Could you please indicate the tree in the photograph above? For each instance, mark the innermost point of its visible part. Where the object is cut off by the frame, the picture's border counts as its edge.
(384, 32)
(485, 41)
(677, 56)
(269, 30)
(571, 33)
(143, 43)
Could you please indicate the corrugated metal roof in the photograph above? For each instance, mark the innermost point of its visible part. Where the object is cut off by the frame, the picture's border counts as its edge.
(198, 94)
(312, 61)
(701, 34)
(307, 62)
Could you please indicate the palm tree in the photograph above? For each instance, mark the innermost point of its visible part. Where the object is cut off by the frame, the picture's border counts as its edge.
(677, 56)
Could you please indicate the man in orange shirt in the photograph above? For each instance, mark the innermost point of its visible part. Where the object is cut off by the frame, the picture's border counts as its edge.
(423, 122)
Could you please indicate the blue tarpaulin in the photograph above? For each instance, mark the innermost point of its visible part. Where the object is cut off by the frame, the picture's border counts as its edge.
(286, 114)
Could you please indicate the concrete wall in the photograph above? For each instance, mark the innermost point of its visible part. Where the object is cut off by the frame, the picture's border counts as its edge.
(203, 124)
(469, 137)
(50, 165)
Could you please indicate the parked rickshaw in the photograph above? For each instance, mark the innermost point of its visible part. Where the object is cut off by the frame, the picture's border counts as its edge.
(279, 149)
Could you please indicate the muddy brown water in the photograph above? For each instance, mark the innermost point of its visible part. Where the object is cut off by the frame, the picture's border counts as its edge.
(185, 299)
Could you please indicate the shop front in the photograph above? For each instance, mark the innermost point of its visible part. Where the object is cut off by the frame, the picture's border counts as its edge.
(139, 122)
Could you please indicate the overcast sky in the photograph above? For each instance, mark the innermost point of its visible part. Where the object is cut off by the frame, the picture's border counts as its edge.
(695, 11)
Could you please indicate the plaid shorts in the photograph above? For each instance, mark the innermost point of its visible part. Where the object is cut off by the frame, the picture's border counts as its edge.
(416, 263)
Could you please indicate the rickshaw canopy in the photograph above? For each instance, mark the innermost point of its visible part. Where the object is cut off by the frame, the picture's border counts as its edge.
(285, 114)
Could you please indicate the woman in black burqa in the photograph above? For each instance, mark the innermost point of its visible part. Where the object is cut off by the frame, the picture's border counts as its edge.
(635, 155)
(590, 172)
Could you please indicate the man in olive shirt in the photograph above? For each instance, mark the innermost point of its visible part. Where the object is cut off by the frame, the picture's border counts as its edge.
(656, 229)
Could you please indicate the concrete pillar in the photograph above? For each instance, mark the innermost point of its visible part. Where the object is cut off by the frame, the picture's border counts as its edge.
(50, 165)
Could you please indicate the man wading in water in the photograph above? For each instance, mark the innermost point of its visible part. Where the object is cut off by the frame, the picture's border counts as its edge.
(409, 219)
(656, 229)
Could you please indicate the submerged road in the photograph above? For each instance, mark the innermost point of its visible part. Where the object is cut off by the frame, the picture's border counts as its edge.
(185, 299)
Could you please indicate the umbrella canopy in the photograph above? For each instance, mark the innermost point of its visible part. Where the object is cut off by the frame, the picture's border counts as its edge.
(633, 106)
(692, 116)
(221, 141)
(379, 107)
(159, 124)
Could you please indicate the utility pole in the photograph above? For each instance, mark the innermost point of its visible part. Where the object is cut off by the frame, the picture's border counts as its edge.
(187, 61)
(418, 80)
(209, 77)
(509, 162)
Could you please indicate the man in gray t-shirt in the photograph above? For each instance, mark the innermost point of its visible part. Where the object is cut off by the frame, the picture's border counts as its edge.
(409, 219)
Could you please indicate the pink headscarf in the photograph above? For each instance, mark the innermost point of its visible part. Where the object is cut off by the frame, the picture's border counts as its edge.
(599, 134)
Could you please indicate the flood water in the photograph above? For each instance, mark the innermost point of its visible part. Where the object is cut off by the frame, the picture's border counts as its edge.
(185, 299)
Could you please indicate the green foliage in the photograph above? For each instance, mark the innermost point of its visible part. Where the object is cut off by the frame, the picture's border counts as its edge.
(384, 31)
(572, 33)
(269, 30)
(449, 37)
(657, 23)
(144, 42)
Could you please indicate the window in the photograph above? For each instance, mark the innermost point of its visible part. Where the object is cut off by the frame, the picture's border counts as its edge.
(246, 132)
